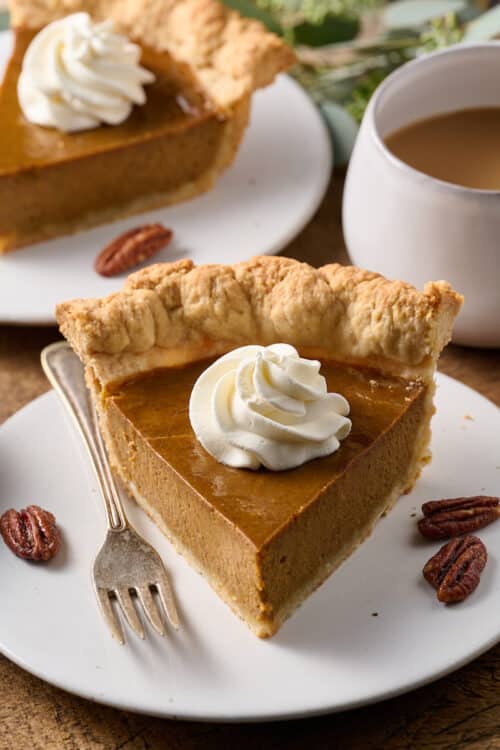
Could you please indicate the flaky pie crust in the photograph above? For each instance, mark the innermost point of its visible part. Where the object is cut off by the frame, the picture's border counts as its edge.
(174, 313)
(229, 55)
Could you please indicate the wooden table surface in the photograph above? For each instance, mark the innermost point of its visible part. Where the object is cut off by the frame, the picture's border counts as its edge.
(461, 711)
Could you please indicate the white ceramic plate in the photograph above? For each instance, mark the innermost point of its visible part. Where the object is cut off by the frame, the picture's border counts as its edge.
(332, 654)
(268, 195)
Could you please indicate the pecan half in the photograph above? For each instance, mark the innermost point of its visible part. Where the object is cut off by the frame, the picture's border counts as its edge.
(459, 515)
(455, 570)
(131, 248)
(31, 533)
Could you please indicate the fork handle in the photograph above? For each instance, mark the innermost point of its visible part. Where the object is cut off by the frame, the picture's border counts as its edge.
(65, 373)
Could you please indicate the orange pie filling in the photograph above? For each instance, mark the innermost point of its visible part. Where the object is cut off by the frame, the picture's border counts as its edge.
(266, 539)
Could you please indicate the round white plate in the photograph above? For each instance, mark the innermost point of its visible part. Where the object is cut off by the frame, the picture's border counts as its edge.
(334, 653)
(268, 195)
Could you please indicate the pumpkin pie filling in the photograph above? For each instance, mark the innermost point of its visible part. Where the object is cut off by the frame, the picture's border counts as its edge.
(263, 538)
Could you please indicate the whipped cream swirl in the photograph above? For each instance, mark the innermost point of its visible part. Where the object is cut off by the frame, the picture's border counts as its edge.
(78, 74)
(267, 406)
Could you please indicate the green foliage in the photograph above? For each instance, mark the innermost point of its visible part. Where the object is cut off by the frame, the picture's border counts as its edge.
(332, 30)
(442, 32)
(318, 11)
(252, 10)
(363, 91)
(292, 13)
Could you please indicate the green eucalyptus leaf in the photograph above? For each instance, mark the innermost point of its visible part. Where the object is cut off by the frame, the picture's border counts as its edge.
(484, 27)
(343, 130)
(408, 14)
(332, 30)
(250, 10)
(4, 20)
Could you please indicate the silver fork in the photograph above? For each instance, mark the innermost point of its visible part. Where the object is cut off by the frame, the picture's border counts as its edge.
(126, 567)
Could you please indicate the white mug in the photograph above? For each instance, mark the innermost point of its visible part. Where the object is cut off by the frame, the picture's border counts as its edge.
(408, 225)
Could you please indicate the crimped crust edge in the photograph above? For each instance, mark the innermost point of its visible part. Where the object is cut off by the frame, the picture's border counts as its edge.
(173, 313)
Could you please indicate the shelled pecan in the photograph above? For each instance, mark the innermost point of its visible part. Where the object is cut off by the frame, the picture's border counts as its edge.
(31, 533)
(460, 515)
(455, 570)
(131, 248)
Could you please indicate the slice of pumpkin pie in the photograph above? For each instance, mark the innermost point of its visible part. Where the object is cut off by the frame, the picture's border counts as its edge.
(266, 414)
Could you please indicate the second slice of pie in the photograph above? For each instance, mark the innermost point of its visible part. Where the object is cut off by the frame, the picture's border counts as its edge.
(206, 60)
